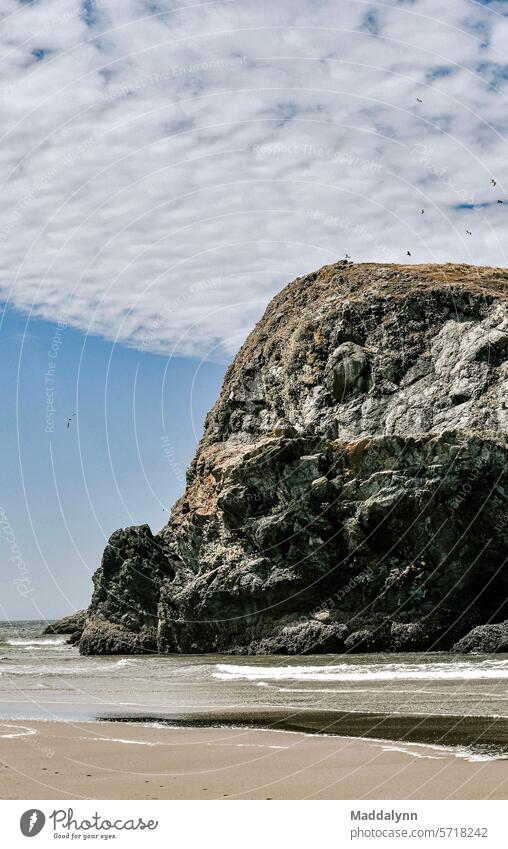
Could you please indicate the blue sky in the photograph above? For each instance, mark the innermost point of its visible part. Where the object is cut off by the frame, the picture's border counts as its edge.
(165, 168)
(121, 461)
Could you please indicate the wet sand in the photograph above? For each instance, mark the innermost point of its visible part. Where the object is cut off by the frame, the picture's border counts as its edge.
(117, 760)
(479, 734)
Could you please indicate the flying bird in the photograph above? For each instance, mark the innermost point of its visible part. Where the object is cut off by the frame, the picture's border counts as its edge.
(500, 201)
(70, 419)
(468, 233)
(347, 256)
(422, 211)
(419, 100)
(408, 253)
(493, 183)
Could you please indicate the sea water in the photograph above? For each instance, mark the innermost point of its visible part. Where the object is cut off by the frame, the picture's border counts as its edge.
(438, 698)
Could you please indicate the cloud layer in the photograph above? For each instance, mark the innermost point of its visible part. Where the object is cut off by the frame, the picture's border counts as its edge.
(166, 167)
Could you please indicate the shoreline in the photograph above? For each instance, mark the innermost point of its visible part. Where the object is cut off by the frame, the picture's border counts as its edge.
(55, 759)
(457, 750)
(484, 736)
(423, 729)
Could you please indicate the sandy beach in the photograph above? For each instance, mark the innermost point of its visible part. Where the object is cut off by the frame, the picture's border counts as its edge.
(66, 760)
(216, 727)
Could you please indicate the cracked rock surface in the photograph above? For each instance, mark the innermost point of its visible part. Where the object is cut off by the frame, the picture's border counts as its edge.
(350, 491)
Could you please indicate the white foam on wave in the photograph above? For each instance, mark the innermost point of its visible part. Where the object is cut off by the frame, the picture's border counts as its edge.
(36, 643)
(124, 740)
(472, 754)
(70, 666)
(41, 671)
(477, 756)
(213, 743)
(15, 731)
(406, 750)
(244, 745)
(452, 671)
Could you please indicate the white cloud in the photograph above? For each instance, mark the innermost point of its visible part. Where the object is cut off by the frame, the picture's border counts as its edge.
(166, 167)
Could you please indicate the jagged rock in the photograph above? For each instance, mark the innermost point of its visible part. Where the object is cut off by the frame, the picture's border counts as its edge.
(68, 625)
(389, 539)
(303, 638)
(485, 638)
(346, 370)
(123, 610)
(75, 637)
(431, 633)
(354, 466)
(102, 637)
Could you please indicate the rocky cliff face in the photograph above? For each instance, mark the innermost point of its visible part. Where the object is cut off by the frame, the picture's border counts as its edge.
(350, 491)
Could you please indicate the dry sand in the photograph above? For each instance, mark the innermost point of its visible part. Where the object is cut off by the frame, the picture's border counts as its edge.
(66, 760)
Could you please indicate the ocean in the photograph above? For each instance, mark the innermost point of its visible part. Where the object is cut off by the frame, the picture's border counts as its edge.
(444, 700)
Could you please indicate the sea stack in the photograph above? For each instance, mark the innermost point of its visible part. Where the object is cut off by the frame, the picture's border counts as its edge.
(350, 491)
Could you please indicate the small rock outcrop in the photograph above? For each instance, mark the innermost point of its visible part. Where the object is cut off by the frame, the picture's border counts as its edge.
(123, 613)
(350, 491)
(485, 638)
(72, 624)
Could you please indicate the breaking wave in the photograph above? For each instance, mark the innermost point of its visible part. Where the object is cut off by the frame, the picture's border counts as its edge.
(36, 643)
(458, 671)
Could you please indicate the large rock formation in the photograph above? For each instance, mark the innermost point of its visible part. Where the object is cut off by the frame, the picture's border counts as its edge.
(350, 490)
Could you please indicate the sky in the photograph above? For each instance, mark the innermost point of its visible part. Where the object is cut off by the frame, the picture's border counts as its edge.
(165, 168)
(121, 461)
